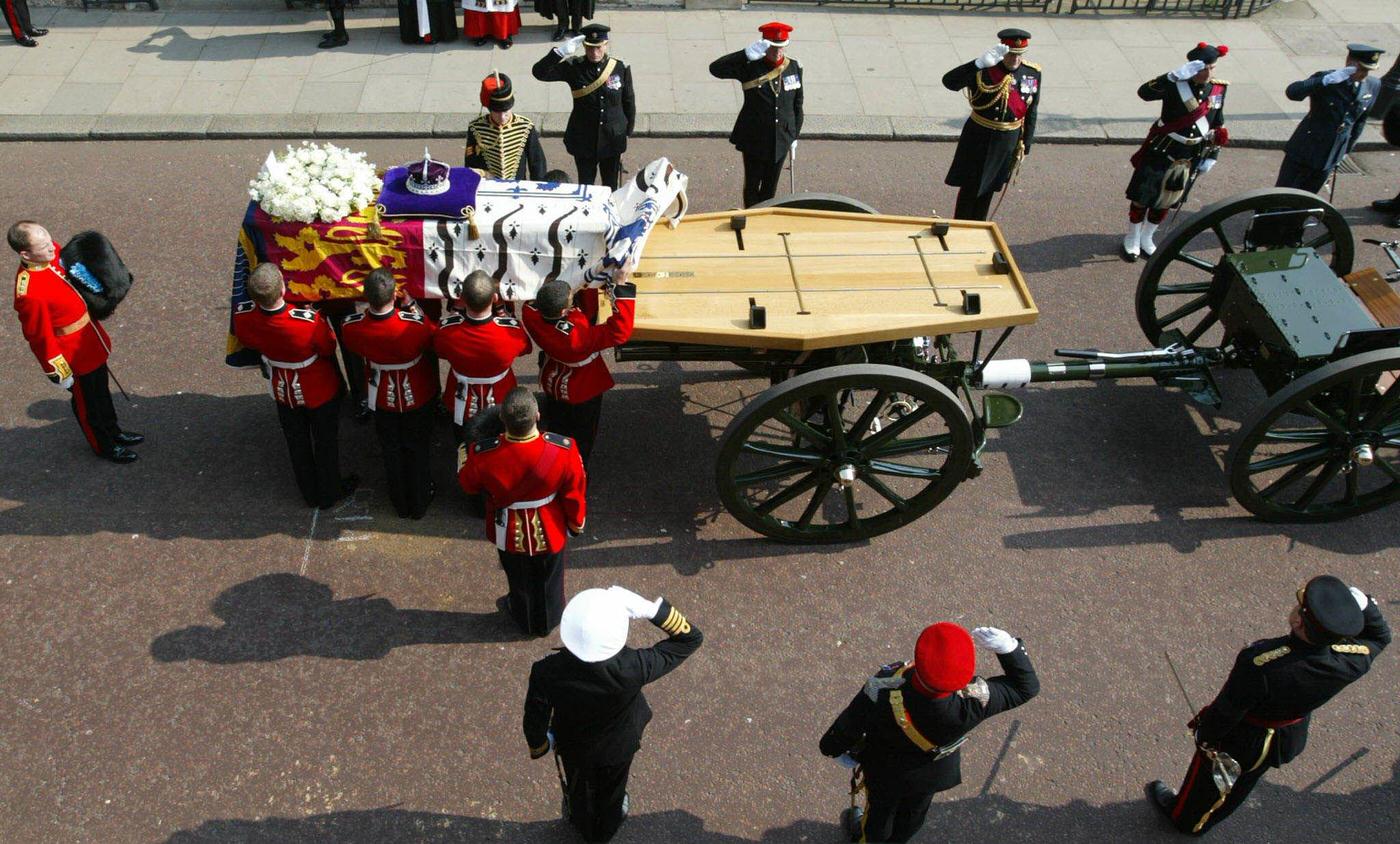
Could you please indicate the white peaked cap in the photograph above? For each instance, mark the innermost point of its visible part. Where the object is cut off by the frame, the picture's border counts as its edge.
(594, 626)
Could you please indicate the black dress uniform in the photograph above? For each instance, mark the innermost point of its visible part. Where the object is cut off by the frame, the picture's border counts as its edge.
(1336, 116)
(597, 712)
(1171, 146)
(605, 107)
(511, 151)
(908, 743)
(1260, 718)
(571, 14)
(770, 119)
(1000, 129)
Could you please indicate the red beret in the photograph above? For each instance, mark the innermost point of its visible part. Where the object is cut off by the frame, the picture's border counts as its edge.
(775, 32)
(944, 660)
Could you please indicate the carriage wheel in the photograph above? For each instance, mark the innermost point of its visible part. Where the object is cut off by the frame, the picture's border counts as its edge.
(818, 202)
(1327, 446)
(843, 453)
(1178, 288)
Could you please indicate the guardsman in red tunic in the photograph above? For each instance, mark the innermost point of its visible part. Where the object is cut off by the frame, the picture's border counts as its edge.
(574, 375)
(401, 384)
(479, 346)
(298, 349)
(71, 347)
(534, 486)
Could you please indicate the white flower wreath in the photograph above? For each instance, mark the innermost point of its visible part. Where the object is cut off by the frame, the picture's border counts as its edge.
(313, 182)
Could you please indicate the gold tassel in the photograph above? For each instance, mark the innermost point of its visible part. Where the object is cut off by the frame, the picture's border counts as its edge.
(472, 231)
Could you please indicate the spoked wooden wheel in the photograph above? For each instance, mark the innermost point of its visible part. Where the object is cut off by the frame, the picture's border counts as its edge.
(1178, 287)
(818, 202)
(843, 453)
(1327, 446)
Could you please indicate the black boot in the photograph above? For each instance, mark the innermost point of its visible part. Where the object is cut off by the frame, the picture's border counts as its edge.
(38, 32)
(1161, 797)
(334, 39)
(558, 32)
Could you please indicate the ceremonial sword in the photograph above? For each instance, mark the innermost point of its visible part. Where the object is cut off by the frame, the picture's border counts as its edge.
(1224, 770)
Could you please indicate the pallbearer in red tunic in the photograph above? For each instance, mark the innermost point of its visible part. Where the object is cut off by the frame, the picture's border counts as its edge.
(534, 486)
(298, 349)
(401, 383)
(480, 346)
(483, 20)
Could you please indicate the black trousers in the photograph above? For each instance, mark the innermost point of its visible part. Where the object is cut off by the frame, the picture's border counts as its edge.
(17, 16)
(595, 797)
(92, 406)
(1198, 804)
(972, 205)
(577, 421)
(894, 812)
(337, 9)
(588, 170)
(354, 364)
(536, 597)
(761, 177)
(313, 440)
(572, 12)
(1292, 173)
(404, 438)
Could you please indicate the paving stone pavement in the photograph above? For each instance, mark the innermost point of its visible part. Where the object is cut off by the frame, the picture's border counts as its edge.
(230, 68)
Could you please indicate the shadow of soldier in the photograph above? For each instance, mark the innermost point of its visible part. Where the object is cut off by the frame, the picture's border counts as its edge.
(275, 616)
(173, 43)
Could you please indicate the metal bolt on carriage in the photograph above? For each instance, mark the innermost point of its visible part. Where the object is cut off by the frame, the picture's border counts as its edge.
(873, 416)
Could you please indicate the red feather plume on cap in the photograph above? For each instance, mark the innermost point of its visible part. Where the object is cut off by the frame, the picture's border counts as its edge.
(489, 85)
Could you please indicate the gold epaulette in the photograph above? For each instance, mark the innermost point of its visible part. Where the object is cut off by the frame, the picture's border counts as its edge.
(22, 283)
(1031, 65)
(461, 456)
(675, 623)
(1270, 656)
(1219, 82)
(1352, 649)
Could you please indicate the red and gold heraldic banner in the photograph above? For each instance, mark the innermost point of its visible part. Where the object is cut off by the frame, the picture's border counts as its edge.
(323, 262)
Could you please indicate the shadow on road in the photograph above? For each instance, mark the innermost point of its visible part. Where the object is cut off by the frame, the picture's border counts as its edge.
(276, 616)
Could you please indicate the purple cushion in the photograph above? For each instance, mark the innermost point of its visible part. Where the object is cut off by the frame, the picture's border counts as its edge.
(395, 200)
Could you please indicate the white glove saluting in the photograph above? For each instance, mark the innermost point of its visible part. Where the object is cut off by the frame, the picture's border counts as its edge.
(1187, 70)
(1204, 166)
(636, 605)
(755, 51)
(1341, 74)
(845, 760)
(1361, 599)
(569, 47)
(995, 639)
(992, 56)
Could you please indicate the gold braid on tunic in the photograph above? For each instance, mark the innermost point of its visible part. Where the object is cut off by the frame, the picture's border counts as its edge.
(992, 98)
(502, 146)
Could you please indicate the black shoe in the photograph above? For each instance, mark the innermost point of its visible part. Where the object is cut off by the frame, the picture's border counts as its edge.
(129, 438)
(481, 41)
(1163, 799)
(362, 411)
(1394, 223)
(503, 605)
(121, 454)
(1387, 206)
(335, 39)
(505, 43)
(558, 34)
(348, 485)
(38, 32)
(26, 42)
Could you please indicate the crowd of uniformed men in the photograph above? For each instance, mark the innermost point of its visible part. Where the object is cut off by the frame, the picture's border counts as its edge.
(902, 731)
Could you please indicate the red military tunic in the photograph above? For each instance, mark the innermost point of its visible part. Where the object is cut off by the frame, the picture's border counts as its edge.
(480, 352)
(574, 370)
(398, 376)
(55, 321)
(534, 490)
(298, 346)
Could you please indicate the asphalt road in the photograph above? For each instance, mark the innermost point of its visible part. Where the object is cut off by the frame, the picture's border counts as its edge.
(188, 657)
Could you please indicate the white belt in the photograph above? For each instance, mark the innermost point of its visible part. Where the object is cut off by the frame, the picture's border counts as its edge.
(466, 379)
(395, 367)
(282, 364)
(1190, 142)
(530, 505)
(578, 363)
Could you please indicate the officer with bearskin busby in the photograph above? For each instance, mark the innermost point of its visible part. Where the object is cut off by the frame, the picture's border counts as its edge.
(500, 142)
(903, 731)
(1183, 144)
(605, 107)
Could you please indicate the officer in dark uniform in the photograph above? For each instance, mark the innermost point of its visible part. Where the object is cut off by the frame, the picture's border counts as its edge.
(1004, 91)
(1260, 718)
(586, 700)
(605, 107)
(1337, 104)
(905, 728)
(771, 117)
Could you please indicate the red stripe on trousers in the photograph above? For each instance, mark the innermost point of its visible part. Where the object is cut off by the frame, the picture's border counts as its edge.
(13, 20)
(80, 409)
(1186, 789)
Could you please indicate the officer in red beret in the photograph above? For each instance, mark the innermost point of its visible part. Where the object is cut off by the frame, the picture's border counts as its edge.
(903, 731)
(771, 117)
(1260, 718)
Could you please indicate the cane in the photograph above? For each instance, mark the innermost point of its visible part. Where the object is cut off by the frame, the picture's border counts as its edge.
(1223, 767)
(792, 164)
(855, 815)
(563, 786)
(1011, 179)
(120, 388)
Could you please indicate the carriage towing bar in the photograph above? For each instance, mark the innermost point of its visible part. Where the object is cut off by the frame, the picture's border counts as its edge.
(1174, 365)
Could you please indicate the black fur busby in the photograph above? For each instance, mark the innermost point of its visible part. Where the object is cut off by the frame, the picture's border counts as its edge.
(95, 269)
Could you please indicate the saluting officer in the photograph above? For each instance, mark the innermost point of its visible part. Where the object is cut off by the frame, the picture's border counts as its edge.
(771, 117)
(1183, 143)
(1260, 718)
(1004, 92)
(1337, 104)
(906, 727)
(605, 107)
(504, 144)
(586, 701)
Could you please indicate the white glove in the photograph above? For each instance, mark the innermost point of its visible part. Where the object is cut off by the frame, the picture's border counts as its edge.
(1341, 74)
(995, 639)
(845, 761)
(992, 56)
(1205, 165)
(1187, 70)
(549, 734)
(1361, 599)
(569, 46)
(755, 51)
(636, 605)
(66, 383)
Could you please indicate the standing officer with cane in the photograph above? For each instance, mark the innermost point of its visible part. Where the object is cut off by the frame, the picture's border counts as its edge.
(605, 107)
(771, 117)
